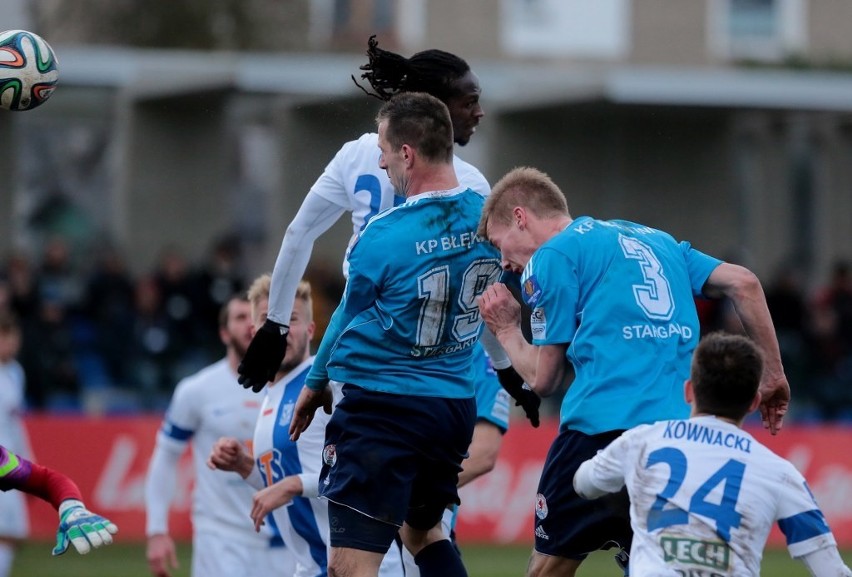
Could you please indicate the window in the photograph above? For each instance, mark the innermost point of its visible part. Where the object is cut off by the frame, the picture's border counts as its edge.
(596, 29)
(765, 30)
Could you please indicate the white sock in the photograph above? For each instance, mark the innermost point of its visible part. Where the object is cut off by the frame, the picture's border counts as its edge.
(7, 555)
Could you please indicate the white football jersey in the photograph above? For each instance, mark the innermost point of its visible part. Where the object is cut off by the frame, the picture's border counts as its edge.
(12, 433)
(206, 406)
(354, 181)
(704, 495)
(14, 522)
(303, 524)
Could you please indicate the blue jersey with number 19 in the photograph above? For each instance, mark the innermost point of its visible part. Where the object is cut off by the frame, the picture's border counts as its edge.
(409, 317)
(622, 295)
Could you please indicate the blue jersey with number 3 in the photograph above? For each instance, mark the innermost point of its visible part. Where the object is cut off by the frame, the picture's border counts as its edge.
(409, 317)
(622, 295)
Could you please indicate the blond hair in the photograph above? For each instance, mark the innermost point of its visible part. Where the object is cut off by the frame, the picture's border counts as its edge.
(259, 290)
(522, 186)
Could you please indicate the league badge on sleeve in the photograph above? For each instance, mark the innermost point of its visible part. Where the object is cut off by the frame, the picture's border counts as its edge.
(531, 290)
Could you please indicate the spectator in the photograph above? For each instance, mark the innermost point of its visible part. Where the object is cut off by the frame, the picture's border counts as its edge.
(152, 347)
(788, 307)
(832, 385)
(48, 357)
(216, 280)
(109, 305)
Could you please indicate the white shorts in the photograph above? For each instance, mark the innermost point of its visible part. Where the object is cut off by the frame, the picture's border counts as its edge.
(14, 517)
(218, 556)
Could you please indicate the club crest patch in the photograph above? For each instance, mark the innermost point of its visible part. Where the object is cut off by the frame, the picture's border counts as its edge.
(531, 290)
(329, 455)
(540, 506)
(286, 415)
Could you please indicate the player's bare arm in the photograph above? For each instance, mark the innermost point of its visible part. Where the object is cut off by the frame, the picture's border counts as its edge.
(277, 495)
(483, 452)
(743, 288)
(161, 555)
(551, 370)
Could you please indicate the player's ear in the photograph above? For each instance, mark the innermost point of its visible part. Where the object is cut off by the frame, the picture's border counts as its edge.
(688, 392)
(755, 402)
(520, 217)
(407, 154)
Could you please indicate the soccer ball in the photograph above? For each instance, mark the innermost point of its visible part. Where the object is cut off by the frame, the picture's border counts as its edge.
(28, 70)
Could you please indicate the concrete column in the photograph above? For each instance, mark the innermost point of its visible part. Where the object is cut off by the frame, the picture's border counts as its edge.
(831, 195)
(7, 183)
(311, 133)
(178, 176)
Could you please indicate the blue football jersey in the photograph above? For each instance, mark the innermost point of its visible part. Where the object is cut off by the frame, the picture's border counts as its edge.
(409, 318)
(492, 401)
(622, 295)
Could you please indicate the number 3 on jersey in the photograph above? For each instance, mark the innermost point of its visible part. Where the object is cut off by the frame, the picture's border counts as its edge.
(722, 511)
(654, 295)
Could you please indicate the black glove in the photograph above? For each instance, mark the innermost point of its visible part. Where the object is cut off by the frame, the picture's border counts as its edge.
(524, 397)
(264, 355)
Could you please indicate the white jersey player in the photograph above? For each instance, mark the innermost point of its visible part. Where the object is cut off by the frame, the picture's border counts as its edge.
(704, 493)
(352, 182)
(287, 472)
(205, 407)
(14, 520)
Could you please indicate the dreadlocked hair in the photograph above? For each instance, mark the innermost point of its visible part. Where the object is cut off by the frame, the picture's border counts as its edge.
(430, 71)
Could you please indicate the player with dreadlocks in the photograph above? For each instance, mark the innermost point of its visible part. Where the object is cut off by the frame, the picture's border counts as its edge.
(353, 182)
(441, 74)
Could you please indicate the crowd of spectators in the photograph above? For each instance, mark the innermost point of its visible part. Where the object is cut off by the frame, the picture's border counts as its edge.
(814, 329)
(99, 338)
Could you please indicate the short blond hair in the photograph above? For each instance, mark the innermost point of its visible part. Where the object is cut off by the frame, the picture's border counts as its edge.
(522, 186)
(259, 290)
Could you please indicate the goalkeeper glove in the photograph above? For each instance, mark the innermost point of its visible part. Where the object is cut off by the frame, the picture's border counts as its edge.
(264, 355)
(81, 528)
(524, 397)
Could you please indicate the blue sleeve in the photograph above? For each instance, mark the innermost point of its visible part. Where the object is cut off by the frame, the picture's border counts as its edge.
(551, 290)
(699, 265)
(317, 378)
(492, 401)
(359, 295)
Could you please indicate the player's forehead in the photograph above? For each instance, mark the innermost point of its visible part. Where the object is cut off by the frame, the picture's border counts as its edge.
(384, 144)
(382, 130)
(466, 85)
(238, 308)
(494, 231)
(259, 308)
(301, 309)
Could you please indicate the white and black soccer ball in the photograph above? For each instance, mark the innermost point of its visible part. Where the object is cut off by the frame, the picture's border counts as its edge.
(28, 70)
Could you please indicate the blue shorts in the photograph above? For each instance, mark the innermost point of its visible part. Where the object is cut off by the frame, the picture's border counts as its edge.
(395, 458)
(566, 525)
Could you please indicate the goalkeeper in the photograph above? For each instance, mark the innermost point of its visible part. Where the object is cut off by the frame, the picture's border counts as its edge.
(77, 525)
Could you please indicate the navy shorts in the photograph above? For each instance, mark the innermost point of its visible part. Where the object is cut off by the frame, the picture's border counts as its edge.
(395, 458)
(566, 525)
